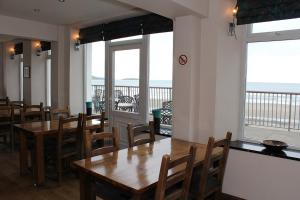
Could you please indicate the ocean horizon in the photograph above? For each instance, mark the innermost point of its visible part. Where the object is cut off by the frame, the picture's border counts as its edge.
(126, 82)
(273, 87)
(251, 86)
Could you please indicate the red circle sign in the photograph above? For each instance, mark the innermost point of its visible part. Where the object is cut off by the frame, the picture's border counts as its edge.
(183, 59)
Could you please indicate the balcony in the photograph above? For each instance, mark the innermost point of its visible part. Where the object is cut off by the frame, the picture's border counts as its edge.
(272, 115)
(159, 98)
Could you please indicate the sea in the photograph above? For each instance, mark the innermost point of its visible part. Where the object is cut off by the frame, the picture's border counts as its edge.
(273, 87)
(250, 86)
(152, 83)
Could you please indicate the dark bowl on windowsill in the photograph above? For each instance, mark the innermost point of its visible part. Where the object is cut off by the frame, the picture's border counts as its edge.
(274, 145)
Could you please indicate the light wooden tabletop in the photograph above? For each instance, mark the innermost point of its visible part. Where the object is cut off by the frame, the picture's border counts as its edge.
(48, 127)
(137, 169)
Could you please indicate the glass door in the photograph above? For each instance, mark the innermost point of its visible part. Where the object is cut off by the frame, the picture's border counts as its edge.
(128, 82)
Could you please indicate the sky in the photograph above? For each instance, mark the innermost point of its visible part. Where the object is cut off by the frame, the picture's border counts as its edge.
(127, 61)
(275, 61)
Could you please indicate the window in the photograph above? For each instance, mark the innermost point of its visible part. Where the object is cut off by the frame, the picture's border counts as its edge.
(161, 75)
(281, 25)
(272, 100)
(128, 38)
(48, 78)
(95, 75)
(21, 78)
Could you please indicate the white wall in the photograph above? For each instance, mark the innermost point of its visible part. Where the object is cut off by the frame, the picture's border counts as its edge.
(76, 90)
(172, 8)
(38, 76)
(11, 73)
(27, 28)
(259, 177)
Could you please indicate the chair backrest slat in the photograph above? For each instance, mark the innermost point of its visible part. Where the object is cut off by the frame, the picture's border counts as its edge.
(134, 131)
(165, 182)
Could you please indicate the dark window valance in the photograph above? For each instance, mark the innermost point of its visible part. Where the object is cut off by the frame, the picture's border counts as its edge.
(254, 11)
(18, 48)
(141, 25)
(45, 46)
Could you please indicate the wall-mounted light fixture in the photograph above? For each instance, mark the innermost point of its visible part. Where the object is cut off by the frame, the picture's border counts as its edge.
(231, 27)
(12, 53)
(76, 42)
(38, 48)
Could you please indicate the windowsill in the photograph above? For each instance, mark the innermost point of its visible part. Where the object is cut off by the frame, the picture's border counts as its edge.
(260, 149)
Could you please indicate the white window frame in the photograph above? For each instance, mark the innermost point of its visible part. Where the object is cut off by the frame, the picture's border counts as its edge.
(250, 37)
(48, 78)
(21, 83)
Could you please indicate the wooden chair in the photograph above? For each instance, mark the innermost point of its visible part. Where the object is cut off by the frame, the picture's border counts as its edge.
(104, 191)
(68, 143)
(32, 116)
(86, 125)
(55, 114)
(4, 101)
(212, 172)
(6, 124)
(33, 107)
(140, 130)
(91, 136)
(167, 186)
(17, 103)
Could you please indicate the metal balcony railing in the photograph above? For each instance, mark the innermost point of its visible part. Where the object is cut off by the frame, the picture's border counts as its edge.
(158, 96)
(273, 109)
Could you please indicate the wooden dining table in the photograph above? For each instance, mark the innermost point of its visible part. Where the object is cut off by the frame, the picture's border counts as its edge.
(38, 131)
(135, 170)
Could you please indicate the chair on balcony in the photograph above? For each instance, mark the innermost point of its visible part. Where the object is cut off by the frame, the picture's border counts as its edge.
(167, 105)
(166, 113)
(99, 100)
(125, 103)
(137, 103)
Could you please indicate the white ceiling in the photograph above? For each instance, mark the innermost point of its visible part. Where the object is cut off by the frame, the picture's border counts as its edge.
(81, 12)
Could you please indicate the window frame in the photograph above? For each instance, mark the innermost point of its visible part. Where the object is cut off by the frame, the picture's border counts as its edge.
(48, 79)
(250, 37)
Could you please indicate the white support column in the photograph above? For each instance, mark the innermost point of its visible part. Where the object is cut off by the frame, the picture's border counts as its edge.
(193, 95)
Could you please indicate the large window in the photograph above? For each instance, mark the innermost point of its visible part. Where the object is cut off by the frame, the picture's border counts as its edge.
(97, 76)
(161, 75)
(272, 100)
(126, 74)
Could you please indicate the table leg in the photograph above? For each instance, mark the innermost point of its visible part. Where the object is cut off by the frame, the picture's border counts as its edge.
(23, 153)
(87, 191)
(39, 169)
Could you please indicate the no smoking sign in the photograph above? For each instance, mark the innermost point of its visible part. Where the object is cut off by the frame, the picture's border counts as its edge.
(183, 59)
